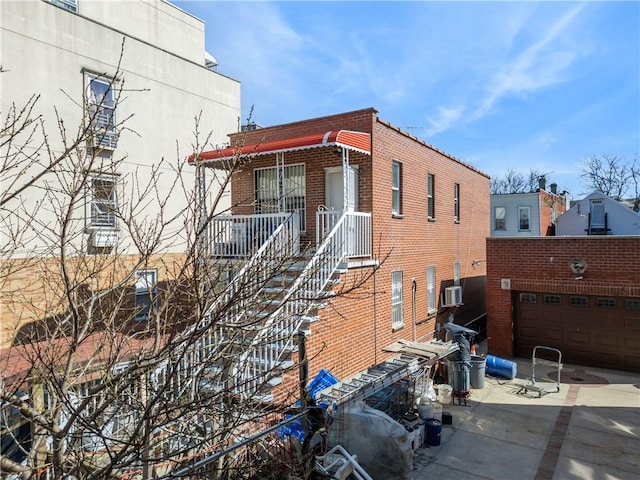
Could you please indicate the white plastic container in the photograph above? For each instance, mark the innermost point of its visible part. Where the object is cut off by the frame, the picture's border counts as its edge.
(444, 394)
(437, 411)
(425, 408)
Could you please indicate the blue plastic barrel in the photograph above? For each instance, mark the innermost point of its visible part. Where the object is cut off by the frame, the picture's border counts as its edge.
(499, 367)
(434, 431)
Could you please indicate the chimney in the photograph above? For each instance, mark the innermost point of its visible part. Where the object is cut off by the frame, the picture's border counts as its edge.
(542, 182)
(554, 188)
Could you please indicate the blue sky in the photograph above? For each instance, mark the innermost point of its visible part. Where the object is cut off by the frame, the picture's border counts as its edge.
(499, 85)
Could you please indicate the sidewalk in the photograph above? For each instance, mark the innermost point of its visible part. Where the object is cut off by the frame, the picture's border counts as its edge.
(589, 430)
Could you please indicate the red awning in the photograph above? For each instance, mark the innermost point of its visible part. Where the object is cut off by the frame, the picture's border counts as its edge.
(356, 141)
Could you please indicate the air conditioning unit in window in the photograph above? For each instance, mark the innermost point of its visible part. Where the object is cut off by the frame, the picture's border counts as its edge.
(105, 140)
(452, 296)
(104, 238)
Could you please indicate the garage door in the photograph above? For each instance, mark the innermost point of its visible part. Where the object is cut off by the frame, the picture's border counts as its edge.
(589, 330)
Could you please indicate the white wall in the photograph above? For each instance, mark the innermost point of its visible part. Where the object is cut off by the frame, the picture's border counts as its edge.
(45, 50)
(621, 220)
(511, 202)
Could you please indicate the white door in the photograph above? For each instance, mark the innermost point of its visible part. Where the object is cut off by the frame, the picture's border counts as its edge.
(334, 189)
(334, 199)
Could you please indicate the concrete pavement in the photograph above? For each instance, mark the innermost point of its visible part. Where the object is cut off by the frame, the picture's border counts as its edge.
(589, 430)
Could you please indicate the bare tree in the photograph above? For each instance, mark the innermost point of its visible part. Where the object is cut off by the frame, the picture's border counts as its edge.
(513, 181)
(614, 176)
(98, 385)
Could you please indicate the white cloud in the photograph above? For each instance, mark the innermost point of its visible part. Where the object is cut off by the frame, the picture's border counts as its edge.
(538, 66)
(446, 117)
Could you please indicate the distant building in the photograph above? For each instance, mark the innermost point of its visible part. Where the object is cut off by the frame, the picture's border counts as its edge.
(598, 214)
(527, 214)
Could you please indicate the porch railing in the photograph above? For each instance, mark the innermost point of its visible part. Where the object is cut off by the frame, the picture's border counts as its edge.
(357, 231)
(240, 236)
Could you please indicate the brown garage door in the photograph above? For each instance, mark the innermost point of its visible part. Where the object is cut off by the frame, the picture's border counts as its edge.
(588, 330)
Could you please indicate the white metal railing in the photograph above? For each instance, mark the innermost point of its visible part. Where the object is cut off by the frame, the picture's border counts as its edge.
(233, 318)
(240, 236)
(358, 230)
(306, 293)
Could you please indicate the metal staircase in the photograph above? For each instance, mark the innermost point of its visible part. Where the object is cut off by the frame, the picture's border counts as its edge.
(252, 324)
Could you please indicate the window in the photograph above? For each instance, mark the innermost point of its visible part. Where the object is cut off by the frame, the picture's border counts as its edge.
(456, 273)
(632, 303)
(101, 111)
(552, 299)
(277, 193)
(431, 288)
(71, 5)
(103, 202)
(397, 320)
(524, 214)
(431, 206)
(607, 302)
(500, 218)
(456, 202)
(579, 301)
(596, 217)
(528, 298)
(146, 293)
(396, 188)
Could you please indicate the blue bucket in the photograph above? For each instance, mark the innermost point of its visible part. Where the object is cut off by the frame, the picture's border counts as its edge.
(499, 367)
(434, 431)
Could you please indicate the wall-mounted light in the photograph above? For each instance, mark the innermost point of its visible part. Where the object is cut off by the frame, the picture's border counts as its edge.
(475, 263)
(578, 267)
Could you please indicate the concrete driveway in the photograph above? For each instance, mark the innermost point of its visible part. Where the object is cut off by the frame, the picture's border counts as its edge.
(589, 430)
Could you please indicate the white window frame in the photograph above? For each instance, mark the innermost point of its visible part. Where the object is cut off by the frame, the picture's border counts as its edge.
(521, 210)
(71, 5)
(502, 217)
(295, 195)
(397, 315)
(146, 295)
(396, 187)
(431, 196)
(456, 202)
(102, 211)
(432, 305)
(101, 99)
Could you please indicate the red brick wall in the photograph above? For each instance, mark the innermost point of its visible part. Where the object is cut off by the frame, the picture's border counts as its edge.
(542, 265)
(549, 201)
(352, 332)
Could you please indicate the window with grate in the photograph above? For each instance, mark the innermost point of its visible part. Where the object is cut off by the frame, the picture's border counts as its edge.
(101, 111)
(274, 194)
(397, 320)
(103, 201)
(71, 5)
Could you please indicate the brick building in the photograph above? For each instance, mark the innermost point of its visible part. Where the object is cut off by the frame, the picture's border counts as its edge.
(424, 217)
(579, 294)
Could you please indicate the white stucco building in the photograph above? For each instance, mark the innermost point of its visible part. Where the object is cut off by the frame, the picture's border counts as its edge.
(85, 56)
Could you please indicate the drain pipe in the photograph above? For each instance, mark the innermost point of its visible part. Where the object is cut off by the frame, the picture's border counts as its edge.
(413, 307)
